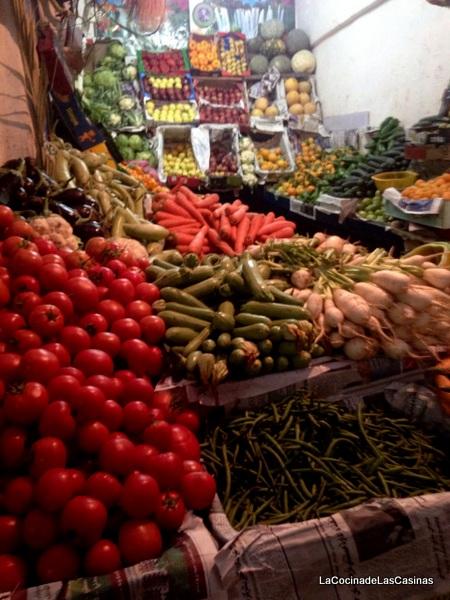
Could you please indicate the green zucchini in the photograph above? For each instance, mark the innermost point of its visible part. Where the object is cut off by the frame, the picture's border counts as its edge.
(237, 358)
(153, 272)
(265, 346)
(200, 274)
(171, 278)
(301, 360)
(288, 348)
(264, 270)
(196, 342)
(191, 260)
(282, 363)
(250, 319)
(254, 280)
(225, 290)
(224, 341)
(237, 342)
(268, 364)
(192, 361)
(175, 319)
(212, 260)
(254, 368)
(204, 288)
(159, 305)
(255, 333)
(201, 313)
(236, 282)
(275, 333)
(275, 310)
(172, 256)
(224, 319)
(208, 345)
(280, 284)
(284, 298)
(317, 351)
(171, 294)
(179, 335)
(158, 262)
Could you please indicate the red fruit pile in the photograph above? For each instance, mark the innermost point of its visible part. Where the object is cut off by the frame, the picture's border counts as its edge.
(231, 95)
(93, 463)
(169, 62)
(216, 114)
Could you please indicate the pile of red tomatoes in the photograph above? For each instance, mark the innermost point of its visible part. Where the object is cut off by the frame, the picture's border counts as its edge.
(96, 469)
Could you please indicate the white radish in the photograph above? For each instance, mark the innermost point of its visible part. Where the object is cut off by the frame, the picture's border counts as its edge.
(416, 297)
(301, 278)
(336, 340)
(302, 295)
(332, 315)
(416, 260)
(422, 323)
(314, 305)
(349, 249)
(334, 242)
(320, 322)
(438, 278)
(350, 330)
(373, 294)
(391, 281)
(320, 236)
(428, 265)
(360, 348)
(401, 314)
(396, 349)
(354, 308)
(404, 333)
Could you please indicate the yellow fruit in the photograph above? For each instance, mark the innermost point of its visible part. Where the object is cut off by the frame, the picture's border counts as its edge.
(257, 112)
(304, 86)
(293, 98)
(304, 98)
(296, 109)
(271, 111)
(309, 108)
(261, 104)
(291, 85)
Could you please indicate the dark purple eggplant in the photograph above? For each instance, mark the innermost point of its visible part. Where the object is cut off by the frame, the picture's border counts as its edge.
(28, 185)
(64, 211)
(88, 230)
(34, 203)
(71, 197)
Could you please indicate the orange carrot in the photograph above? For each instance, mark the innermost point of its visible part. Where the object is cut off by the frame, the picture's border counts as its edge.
(287, 232)
(255, 226)
(185, 202)
(174, 208)
(275, 226)
(241, 234)
(238, 215)
(216, 242)
(197, 242)
(183, 238)
(225, 227)
(208, 201)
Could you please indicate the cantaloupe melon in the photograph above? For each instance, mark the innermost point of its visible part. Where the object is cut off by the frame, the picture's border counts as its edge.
(261, 103)
(256, 112)
(293, 98)
(271, 111)
(304, 86)
(304, 98)
(296, 109)
(309, 108)
(291, 85)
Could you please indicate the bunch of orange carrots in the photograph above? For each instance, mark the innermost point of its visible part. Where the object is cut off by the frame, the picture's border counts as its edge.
(201, 224)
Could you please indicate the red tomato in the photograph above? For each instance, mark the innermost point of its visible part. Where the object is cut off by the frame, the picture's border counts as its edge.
(156, 361)
(106, 341)
(6, 217)
(94, 362)
(72, 372)
(139, 540)
(171, 511)
(117, 456)
(47, 320)
(53, 276)
(140, 495)
(83, 294)
(148, 292)
(191, 466)
(78, 259)
(156, 415)
(57, 421)
(10, 533)
(138, 388)
(93, 323)
(153, 329)
(25, 283)
(14, 242)
(85, 518)
(48, 453)
(18, 495)
(12, 447)
(39, 529)
(126, 329)
(22, 228)
(167, 468)
(90, 403)
(54, 489)
(116, 266)
(121, 290)
(55, 259)
(110, 386)
(135, 275)
(184, 443)
(64, 387)
(95, 247)
(5, 296)
(60, 352)
(39, 365)
(136, 417)
(10, 364)
(62, 301)
(9, 323)
(58, 563)
(188, 418)
(111, 310)
(78, 480)
(143, 458)
(75, 339)
(23, 340)
(111, 415)
(198, 489)
(138, 309)
(77, 273)
(102, 558)
(4, 274)
(158, 434)
(168, 403)
(105, 487)
(12, 573)
(25, 262)
(101, 276)
(125, 375)
(46, 247)
(91, 436)
(25, 302)
(25, 403)
(138, 356)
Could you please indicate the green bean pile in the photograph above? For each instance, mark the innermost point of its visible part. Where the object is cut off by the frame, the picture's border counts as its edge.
(302, 458)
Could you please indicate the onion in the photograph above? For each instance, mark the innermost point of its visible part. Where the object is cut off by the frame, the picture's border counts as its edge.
(301, 278)
(320, 237)
(439, 278)
(360, 348)
(391, 281)
(373, 294)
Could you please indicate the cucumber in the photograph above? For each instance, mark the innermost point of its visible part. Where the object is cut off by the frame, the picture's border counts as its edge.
(280, 284)
(288, 348)
(255, 333)
(224, 341)
(224, 319)
(253, 369)
(176, 336)
(265, 347)
(171, 256)
(282, 363)
(268, 364)
(212, 260)
(285, 298)
(275, 310)
(237, 342)
(200, 313)
(204, 288)
(192, 361)
(175, 319)
(162, 264)
(250, 319)
(171, 294)
(225, 290)
(171, 278)
(275, 333)
(264, 270)
(191, 260)
(237, 358)
(317, 351)
(236, 282)
(208, 345)
(196, 342)
(154, 272)
(199, 274)
(301, 360)
(254, 280)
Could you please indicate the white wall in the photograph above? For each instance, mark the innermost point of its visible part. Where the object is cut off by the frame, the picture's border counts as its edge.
(393, 61)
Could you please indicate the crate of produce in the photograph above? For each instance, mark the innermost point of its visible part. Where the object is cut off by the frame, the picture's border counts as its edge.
(222, 101)
(274, 156)
(224, 169)
(169, 62)
(267, 101)
(161, 113)
(169, 89)
(204, 54)
(233, 54)
(302, 101)
(136, 147)
(432, 212)
(182, 154)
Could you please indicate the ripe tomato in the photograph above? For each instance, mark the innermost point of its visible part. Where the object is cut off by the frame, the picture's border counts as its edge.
(4, 294)
(58, 563)
(46, 247)
(48, 453)
(138, 388)
(111, 415)
(117, 455)
(106, 341)
(39, 365)
(10, 364)
(52, 258)
(139, 540)
(158, 434)
(73, 372)
(156, 361)
(121, 290)
(136, 417)
(138, 356)
(143, 458)
(134, 274)
(93, 323)
(78, 480)
(78, 259)
(53, 276)
(22, 228)
(4, 274)
(111, 310)
(12, 573)
(116, 266)
(95, 247)
(23, 340)
(170, 511)
(60, 352)
(184, 443)
(138, 309)
(167, 468)
(62, 301)
(47, 320)
(198, 489)
(9, 323)
(148, 292)
(124, 375)
(25, 262)
(64, 387)
(110, 386)
(85, 518)
(13, 243)
(101, 276)
(94, 362)
(39, 529)
(24, 403)
(25, 302)
(83, 294)
(12, 447)
(91, 436)
(77, 273)
(140, 495)
(126, 329)
(18, 495)
(75, 339)
(168, 403)
(90, 403)
(25, 283)
(105, 487)
(191, 466)
(102, 558)
(188, 418)
(6, 217)
(153, 329)
(9, 533)
(54, 489)
(57, 421)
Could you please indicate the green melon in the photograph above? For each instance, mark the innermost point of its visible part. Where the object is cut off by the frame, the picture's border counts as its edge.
(271, 48)
(297, 40)
(282, 63)
(259, 64)
(271, 29)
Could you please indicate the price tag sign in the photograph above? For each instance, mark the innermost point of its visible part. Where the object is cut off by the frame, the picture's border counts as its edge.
(295, 206)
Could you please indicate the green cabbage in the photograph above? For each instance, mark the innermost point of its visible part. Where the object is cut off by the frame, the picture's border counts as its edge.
(136, 142)
(116, 50)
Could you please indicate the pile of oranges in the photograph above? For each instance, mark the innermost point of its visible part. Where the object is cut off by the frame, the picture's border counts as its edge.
(204, 55)
(271, 159)
(439, 187)
(150, 182)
